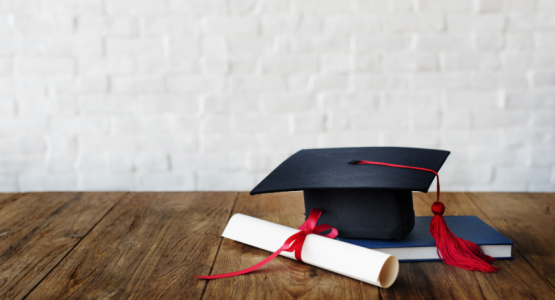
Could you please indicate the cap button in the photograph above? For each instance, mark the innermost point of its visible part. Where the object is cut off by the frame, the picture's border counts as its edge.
(438, 208)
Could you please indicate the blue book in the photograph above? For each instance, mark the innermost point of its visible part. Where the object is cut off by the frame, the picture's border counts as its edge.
(420, 246)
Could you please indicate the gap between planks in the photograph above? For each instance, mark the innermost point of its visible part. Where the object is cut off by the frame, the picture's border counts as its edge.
(219, 246)
(80, 240)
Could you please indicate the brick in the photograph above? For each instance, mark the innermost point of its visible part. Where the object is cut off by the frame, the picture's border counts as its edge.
(206, 161)
(463, 138)
(525, 99)
(194, 84)
(402, 100)
(379, 119)
(489, 40)
(481, 100)
(440, 80)
(106, 104)
(337, 63)
(308, 123)
(31, 86)
(467, 174)
(425, 119)
(412, 22)
(6, 66)
(121, 163)
(329, 83)
(142, 125)
(274, 142)
(389, 42)
(402, 138)
(470, 61)
(534, 21)
(258, 123)
(23, 146)
(216, 46)
(542, 156)
(25, 125)
(520, 5)
(230, 143)
(444, 5)
(7, 107)
(166, 182)
(472, 21)
(499, 80)
(47, 67)
(181, 106)
(22, 163)
(543, 79)
(504, 119)
(70, 7)
(367, 62)
(520, 41)
(79, 125)
(525, 60)
(489, 6)
(320, 44)
(284, 102)
(224, 181)
(214, 66)
(242, 7)
(545, 5)
(351, 138)
(213, 124)
(169, 25)
(319, 6)
(131, 7)
(106, 26)
(184, 142)
(351, 24)
(91, 163)
(455, 119)
(231, 103)
(47, 182)
(105, 66)
(543, 117)
(36, 25)
(289, 64)
(523, 137)
(103, 144)
(153, 162)
(521, 174)
(489, 155)
(135, 85)
(8, 184)
(544, 40)
(134, 46)
(251, 45)
(81, 86)
(267, 83)
(380, 81)
(340, 101)
(232, 25)
(6, 28)
(202, 7)
(274, 6)
(170, 65)
(106, 182)
(410, 61)
(443, 41)
(280, 24)
(541, 187)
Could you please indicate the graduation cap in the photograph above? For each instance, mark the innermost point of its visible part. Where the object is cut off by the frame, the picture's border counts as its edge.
(367, 193)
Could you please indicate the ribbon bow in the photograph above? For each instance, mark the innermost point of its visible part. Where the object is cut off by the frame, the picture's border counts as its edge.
(293, 244)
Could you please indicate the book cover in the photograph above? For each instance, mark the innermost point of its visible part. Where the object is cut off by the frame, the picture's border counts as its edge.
(419, 245)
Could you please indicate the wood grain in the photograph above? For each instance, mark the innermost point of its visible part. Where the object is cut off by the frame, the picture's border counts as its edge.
(282, 278)
(148, 247)
(37, 230)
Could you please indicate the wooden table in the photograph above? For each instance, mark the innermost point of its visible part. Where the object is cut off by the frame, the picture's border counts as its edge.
(149, 245)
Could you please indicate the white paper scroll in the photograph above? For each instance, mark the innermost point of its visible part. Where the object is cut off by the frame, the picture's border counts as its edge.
(360, 263)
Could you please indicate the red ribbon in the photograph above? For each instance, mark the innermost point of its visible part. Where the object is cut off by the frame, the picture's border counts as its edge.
(293, 244)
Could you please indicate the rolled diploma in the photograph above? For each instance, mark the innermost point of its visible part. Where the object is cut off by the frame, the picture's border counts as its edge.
(360, 263)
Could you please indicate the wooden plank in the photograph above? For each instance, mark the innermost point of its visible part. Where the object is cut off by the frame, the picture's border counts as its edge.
(517, 278)
(148, 247)
(527, 220)
(37, 230)
(4, 197)
(282, 278)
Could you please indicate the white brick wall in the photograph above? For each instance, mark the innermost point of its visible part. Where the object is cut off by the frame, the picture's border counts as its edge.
(213, 94)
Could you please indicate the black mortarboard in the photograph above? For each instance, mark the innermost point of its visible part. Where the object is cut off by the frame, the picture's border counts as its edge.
(371, 201)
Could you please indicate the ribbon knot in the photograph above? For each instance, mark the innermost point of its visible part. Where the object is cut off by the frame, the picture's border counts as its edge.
(293, 244)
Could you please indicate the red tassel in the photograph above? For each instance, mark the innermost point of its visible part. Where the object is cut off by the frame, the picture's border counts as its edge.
(451, 249)
(455, 251)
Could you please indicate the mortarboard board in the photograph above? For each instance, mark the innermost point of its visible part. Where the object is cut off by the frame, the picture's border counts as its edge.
(360, 201)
